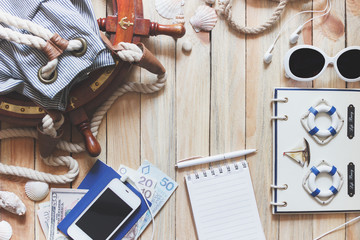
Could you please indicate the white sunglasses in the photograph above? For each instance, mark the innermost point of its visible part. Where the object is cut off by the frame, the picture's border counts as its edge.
(306, 63)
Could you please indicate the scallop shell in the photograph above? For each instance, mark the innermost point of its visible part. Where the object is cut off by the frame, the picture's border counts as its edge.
(204, 19)
(36, 191)
(5, 230)
(12, 203)
(169, 8)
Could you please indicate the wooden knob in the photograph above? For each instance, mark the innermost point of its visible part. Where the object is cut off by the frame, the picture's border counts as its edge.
(102, 24)
(92, 145)
(174, 30)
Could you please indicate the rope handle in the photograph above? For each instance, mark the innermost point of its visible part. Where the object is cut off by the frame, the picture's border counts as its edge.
(43, 39)
(135, 53)
(225, 9)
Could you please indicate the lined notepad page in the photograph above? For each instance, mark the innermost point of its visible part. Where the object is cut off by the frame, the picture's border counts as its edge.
(223, 203)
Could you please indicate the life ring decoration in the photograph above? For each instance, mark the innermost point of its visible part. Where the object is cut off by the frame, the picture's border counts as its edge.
(322, 135)
(323, 196)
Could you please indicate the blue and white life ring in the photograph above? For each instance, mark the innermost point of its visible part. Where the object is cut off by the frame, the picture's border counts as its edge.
(323, 133)
(333, 189)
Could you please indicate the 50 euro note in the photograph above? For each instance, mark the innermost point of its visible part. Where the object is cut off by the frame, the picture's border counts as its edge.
(62, 201)
(163, 190)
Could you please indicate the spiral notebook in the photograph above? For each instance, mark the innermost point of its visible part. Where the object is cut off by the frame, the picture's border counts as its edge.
(298, 150)
(223, 203)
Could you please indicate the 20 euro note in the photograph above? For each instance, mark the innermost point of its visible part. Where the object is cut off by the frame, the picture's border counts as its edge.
(163, 190)
(62, 201)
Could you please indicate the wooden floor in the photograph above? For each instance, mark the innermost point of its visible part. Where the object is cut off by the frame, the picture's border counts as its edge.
(217, 99)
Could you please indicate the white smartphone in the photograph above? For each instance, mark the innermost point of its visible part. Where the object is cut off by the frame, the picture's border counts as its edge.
(106, 213)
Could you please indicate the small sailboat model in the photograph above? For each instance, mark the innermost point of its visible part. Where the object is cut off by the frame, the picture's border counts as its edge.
(300, 153)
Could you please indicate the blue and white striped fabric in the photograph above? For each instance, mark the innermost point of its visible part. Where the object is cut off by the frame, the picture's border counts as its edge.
(19, 64)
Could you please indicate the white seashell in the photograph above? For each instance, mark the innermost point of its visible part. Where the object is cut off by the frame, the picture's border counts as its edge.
(12, 203)
(5, 230)
(204, 19)
(187, 46)
(169, 8)
(36, 191)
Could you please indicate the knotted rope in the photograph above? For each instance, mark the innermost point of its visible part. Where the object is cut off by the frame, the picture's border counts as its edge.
(225, 9)
(131, 53)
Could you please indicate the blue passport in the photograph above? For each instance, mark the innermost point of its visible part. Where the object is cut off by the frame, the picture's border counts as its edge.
(96, 180)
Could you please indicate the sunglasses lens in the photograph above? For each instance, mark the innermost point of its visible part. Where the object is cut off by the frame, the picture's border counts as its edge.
(306, 63)
(349, 64)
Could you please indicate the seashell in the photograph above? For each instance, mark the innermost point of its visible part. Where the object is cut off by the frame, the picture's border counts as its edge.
(204, 19)
(5, 230)
(187, 46)
(12, 203)
(36, 191)
(169, 8)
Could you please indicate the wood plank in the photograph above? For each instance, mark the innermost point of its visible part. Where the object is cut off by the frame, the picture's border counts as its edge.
(329, 35)
(18, 152)
(41, 166)
(294, 224)
(158, 121)
(227, 126)
(192, 113)
(352, 39)
(260, 80)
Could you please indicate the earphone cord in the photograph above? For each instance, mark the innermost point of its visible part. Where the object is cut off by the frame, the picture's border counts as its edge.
(151, 213)
(326, 10)
(334, 229)
(124, 178)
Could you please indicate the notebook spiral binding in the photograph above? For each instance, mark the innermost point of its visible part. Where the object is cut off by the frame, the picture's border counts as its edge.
(283, 118)
(279, 187)
(279, 100)
(219, 169)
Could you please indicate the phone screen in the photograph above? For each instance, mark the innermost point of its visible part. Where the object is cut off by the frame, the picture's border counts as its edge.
(101, 219)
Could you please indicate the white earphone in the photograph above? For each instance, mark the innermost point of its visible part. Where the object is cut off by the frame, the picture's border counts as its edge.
(294, 37)
(296, 34)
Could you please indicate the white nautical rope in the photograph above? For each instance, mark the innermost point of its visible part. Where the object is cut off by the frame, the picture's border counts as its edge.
(27, 25)
(131, 53)
(49, 127)
(38, 41)
(26, 39)
(225, 9)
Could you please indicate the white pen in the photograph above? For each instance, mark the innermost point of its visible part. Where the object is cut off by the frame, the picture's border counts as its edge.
(192, 162)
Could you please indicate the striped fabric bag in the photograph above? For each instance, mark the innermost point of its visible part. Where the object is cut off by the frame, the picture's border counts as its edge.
(28, 64)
